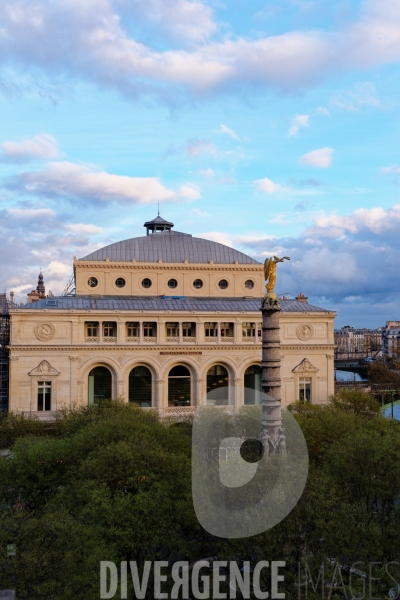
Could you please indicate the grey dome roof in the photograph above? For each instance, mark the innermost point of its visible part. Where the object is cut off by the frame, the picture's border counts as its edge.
(171, 247)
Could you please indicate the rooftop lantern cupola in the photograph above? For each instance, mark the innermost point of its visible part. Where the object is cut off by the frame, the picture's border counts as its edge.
(157, 225)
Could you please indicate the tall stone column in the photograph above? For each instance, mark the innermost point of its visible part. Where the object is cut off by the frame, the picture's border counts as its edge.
(272, 433)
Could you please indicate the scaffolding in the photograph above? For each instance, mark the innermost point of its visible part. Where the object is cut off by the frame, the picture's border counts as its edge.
(70, 288)
(4, 353)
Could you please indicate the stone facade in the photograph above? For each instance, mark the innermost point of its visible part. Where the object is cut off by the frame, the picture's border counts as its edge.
(52, 345)
(119, 324)
(159, 274)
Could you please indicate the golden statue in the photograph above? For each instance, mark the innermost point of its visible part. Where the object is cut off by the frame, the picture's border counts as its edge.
(270, 272)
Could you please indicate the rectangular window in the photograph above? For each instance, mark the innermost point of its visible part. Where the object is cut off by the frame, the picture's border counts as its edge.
(259, 330)
(172, 329)
(149, 329)
(188, 329)
(109, 329)
(211, 329)
(44, 395)
(305, 389)
(132, 329)
(92, 329)
(248, 330)
(226, 330)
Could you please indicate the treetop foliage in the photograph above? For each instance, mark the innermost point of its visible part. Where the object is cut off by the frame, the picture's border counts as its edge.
(113, 483)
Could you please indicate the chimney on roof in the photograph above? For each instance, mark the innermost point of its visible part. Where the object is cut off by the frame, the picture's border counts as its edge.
(301, 298)
(12, 297)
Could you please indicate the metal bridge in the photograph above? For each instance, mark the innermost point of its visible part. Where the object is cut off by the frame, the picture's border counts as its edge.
(354, 365)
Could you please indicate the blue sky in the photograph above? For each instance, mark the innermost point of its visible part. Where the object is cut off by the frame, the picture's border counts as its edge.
(269, 126)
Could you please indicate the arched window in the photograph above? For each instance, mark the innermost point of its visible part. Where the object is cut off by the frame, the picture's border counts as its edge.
(252, 385)
(179, 386)
(217, 385)
(140, 386)
(100, 383)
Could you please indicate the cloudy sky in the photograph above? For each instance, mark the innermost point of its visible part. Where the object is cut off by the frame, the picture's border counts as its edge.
(271, 126)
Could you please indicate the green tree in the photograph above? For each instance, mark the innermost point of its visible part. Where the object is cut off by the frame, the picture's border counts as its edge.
(114, 483)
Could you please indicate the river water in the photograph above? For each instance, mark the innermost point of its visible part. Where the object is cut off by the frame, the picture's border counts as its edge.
(387, 412)
(348, 376)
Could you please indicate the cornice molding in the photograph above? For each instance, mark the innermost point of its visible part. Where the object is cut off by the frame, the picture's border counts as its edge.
(141, 348)
(136, 266)
(158, 347)
(309, 347)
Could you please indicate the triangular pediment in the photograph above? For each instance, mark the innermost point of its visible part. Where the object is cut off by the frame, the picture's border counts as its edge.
(305, 367)
(44, 368)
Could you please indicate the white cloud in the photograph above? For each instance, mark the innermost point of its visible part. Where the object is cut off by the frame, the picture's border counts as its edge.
(56, 268)
(338, 257)
(297, 122)
(268, 186)
(32, 213)
(84, 228)
(193, 149)
(362, 94)
(224, 129)
(392, 169)
(227, 180)
(376, 220)
(321, 110)
(321, 158)
(206, 172)
(218, 236)
(188, 191)
(200, 147)
(87, 40)
(40, 146)
(326, 266)
(200, 213)
(191, 21)
(34, 238)
(65, 179)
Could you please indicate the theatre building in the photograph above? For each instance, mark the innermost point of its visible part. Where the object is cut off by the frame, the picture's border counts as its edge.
(160, 320)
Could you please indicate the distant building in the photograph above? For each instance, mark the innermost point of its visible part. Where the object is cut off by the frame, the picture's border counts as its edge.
(39, 293)
(351, 342)
(391, 339)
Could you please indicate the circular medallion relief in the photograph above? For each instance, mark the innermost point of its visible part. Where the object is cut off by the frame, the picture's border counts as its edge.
(45, 331)
(304, 332)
